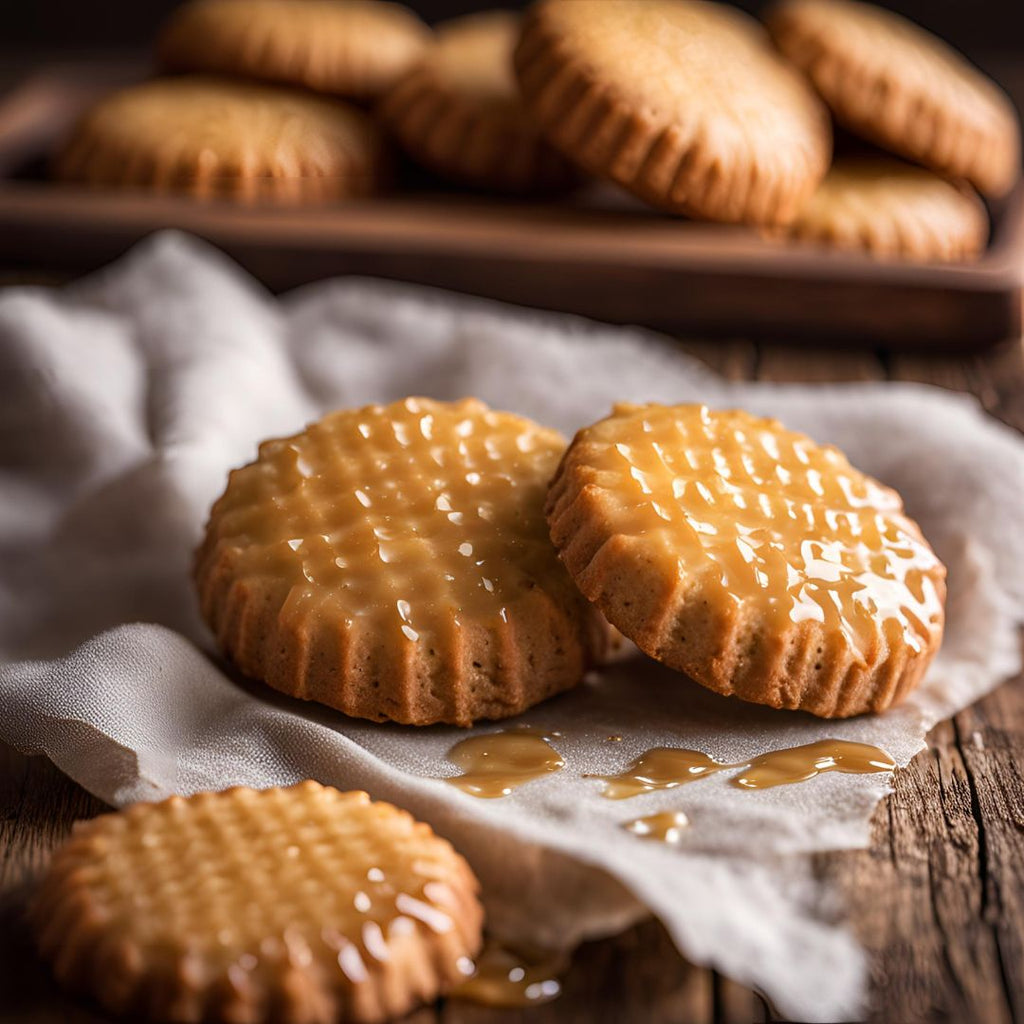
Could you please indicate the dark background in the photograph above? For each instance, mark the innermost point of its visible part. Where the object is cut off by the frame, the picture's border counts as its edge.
(978, 27)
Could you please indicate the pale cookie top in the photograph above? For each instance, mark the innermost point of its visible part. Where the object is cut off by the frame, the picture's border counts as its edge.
(235, 889)
(702, 66)
(196, 125)
(761, 517)
(473, 55)
(406, 517)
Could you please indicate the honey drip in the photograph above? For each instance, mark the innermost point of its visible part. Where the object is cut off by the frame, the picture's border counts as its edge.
(496, 764)
(667, 827)
(669, 767)
(504, 979)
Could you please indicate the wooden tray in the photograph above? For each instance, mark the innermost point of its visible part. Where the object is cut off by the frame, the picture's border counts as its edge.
(600, 254)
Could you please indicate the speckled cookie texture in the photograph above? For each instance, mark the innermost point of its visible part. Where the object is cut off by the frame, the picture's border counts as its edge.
(394, 563)
(760, 564)
(687, 105)
(893, 210)
(890, 81)
(303, 905)
(218, 138)
(353, 48)
(458, 112)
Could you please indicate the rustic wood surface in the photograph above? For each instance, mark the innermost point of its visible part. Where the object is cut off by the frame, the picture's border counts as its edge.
(938, 899)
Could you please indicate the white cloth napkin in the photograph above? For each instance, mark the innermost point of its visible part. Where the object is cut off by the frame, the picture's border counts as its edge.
(126, 398)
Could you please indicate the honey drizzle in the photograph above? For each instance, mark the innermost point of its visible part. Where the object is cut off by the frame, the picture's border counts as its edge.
(669, 767)
(666, 827)
(506, 979)
(497, 763)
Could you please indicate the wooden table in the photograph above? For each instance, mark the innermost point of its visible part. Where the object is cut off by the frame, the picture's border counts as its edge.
(938, 899)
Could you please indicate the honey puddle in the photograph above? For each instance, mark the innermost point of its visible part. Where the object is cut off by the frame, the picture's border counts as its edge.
(504, 979)
(496, 764)
(669, 767)
(667, 826)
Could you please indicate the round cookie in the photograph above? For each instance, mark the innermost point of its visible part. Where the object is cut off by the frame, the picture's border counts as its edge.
(897, 85)
(214, 137)
(354, 48)
(685, 104)
(393, 562)
(283, 906)
(748, 557)
(459, 111)
(892, 209)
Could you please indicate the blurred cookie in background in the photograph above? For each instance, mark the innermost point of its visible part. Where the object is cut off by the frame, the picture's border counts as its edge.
(219, 138)
(353, 48)
(895, 210)
(898, 86)
(687, 105)
(459, 113)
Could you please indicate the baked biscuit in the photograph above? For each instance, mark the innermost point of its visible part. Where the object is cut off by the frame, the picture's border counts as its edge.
(290, 906)
(748, 557)
(354, 48)
(393, 562)
(685, 104)
(459, 113)
(219, 138)
(892, 209)
(897, 85)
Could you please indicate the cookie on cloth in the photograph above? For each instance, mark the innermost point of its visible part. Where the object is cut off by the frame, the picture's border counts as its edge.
(893, 209)
(283, 906)
(393, 562)
(354, 48)
(687, 105)
(218, 138)
(459, 112)
(897, 85)
(743, 554)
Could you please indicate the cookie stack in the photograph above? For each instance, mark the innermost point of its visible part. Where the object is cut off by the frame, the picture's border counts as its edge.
(694, 107)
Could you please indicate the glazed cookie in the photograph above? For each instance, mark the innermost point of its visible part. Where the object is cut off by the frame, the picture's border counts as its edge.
(393, 562)
(685, 104)
(354, 48)
(892, 82)
(748, 557)
(219, 138)
(282, 905)
(892, 209)
(460, 115)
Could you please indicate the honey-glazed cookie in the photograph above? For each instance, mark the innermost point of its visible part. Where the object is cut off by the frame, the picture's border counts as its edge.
(892, 82)
(459, 112)
(687, 105)
(893, 210)
(353, 48)
(280, 906)
(748, 557)
(217, 138)
(394, 563)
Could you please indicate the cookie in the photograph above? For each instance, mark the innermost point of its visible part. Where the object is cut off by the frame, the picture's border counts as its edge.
(684, 104)
(459, 114)
(217, 138)
(897, 85)
(353, 48)
(893, 209)
(290, 906)
(393, 562)
(748, 557)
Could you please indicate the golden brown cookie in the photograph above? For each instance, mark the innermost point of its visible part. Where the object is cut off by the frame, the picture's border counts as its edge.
(214, 137)
(748, 557)
(459, 111)
(892, 82)
(284, 906)
(892, 209)
(354, 48)
(684, 104)
(394, 563)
